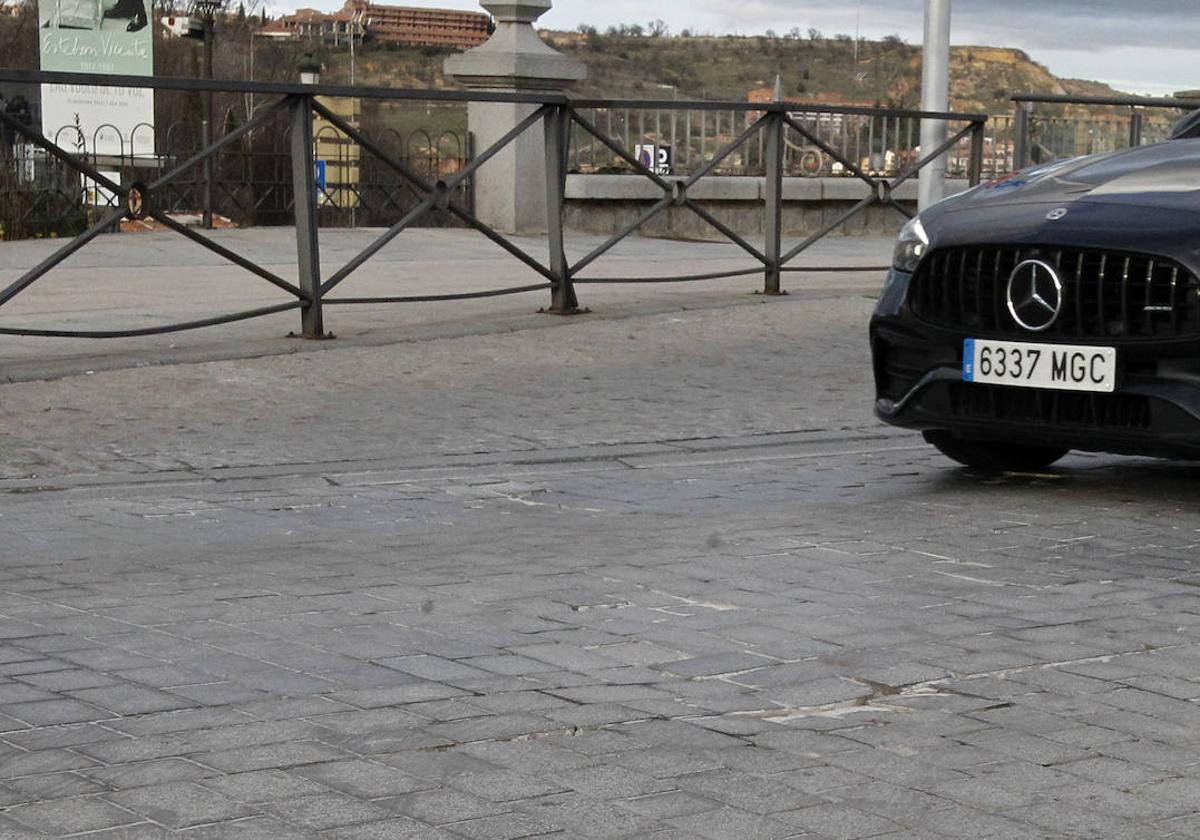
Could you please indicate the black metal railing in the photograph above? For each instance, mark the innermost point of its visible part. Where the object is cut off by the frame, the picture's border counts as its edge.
(1049, 127)
(882, 142)
(138, 194)
(251, 183)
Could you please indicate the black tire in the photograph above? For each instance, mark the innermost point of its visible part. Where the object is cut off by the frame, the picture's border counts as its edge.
(991, 456)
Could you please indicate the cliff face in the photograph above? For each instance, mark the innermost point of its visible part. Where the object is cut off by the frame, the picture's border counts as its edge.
(887, 72)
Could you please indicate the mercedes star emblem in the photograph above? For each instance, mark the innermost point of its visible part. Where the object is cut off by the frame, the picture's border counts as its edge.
(1035, 295)
(1055, 215)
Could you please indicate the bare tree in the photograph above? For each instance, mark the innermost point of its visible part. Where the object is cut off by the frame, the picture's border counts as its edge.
(18, 35)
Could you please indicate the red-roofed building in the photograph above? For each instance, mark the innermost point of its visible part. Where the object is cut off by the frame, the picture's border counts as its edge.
(393, 25)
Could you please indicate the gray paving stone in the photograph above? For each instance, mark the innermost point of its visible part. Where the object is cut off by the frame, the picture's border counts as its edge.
(606, 782)
(161, 723)
(141, 831)
(63, 679)
(60, 817)
(1123, 774)
(1025, 747)
(141, 774)
(54, 786)
(42, 761)
(749, 792)
(504, 785)
(269, 756)
(1066, 820)
(323, 811)
(838, 822)
(130, 700)
(363, 779)
(52, 712)
(55, 737)
(179, 804)
(15, 831)
(716, 664)
(259, 786)
(253, 828)
(674, 803)
(594, 714)
(438, 807)
(434, 668)
(505, 827)
(373, 698)
(491, 727)
(581, 815)
(733, 824)
(396, 828)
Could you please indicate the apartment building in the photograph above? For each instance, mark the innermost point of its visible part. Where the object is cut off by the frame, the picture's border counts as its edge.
(390, 25)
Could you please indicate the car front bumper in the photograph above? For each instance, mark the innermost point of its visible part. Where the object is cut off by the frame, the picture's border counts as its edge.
(1155, 410)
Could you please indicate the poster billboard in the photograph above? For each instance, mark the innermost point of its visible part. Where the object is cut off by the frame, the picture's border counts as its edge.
(658, 159)
(98, 36)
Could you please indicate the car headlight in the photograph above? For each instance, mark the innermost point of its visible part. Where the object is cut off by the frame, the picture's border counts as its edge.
(911, 246)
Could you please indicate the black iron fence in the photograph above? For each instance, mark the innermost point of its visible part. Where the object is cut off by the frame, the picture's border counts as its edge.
(149, 189)
(1054, 127)
(42, 195)
(878, 141)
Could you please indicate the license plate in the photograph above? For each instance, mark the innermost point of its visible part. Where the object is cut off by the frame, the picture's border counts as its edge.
(1059, 367)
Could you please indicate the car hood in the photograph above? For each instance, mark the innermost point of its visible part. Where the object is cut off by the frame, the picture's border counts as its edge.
(1146, 199)
(1163, 175)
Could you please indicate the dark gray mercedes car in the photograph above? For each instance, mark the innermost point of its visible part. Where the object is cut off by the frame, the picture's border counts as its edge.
(1055, 309)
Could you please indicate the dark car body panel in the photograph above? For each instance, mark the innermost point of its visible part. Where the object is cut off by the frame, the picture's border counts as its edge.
(1144, 204)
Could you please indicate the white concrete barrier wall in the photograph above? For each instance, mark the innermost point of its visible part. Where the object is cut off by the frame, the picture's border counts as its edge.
(605, 203)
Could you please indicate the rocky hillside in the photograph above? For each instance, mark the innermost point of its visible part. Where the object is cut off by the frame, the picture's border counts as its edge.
(887, 72)
(884, 72)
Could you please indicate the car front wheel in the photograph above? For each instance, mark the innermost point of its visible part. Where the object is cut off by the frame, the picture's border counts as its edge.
(993, 456)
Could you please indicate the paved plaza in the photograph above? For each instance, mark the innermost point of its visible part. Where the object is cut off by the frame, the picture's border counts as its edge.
(473, 572)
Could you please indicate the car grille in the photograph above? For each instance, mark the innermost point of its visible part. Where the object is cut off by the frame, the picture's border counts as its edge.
(1107, 295)
(1121, 412)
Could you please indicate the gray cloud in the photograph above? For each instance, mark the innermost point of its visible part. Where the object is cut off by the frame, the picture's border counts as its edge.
(1061, 24)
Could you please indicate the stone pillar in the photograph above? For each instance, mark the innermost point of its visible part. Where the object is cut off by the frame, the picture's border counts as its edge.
(510, 189)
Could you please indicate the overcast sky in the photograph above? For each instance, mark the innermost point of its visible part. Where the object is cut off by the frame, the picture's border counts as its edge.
(1143, 46)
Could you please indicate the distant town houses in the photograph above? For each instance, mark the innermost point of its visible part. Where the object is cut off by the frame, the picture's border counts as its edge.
(401, 26)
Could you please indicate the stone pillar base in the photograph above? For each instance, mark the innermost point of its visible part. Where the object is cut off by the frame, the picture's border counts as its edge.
(510, 189)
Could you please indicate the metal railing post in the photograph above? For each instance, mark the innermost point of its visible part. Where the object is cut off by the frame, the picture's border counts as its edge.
(1135, 128)
(773, 195)
(304, 186)
(1021, 155)
(206, 127)
(975, 173)
(563, 300)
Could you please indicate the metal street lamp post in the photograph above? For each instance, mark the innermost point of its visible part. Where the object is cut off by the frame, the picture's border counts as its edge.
(935, 96)
(207, 11)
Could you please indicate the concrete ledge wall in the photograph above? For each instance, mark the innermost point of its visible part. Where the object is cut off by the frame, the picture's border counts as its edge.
(604, 204)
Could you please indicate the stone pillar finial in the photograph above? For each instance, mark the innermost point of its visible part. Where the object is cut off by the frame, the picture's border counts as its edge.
(515, 57)
(510, 191)
(517, 11)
